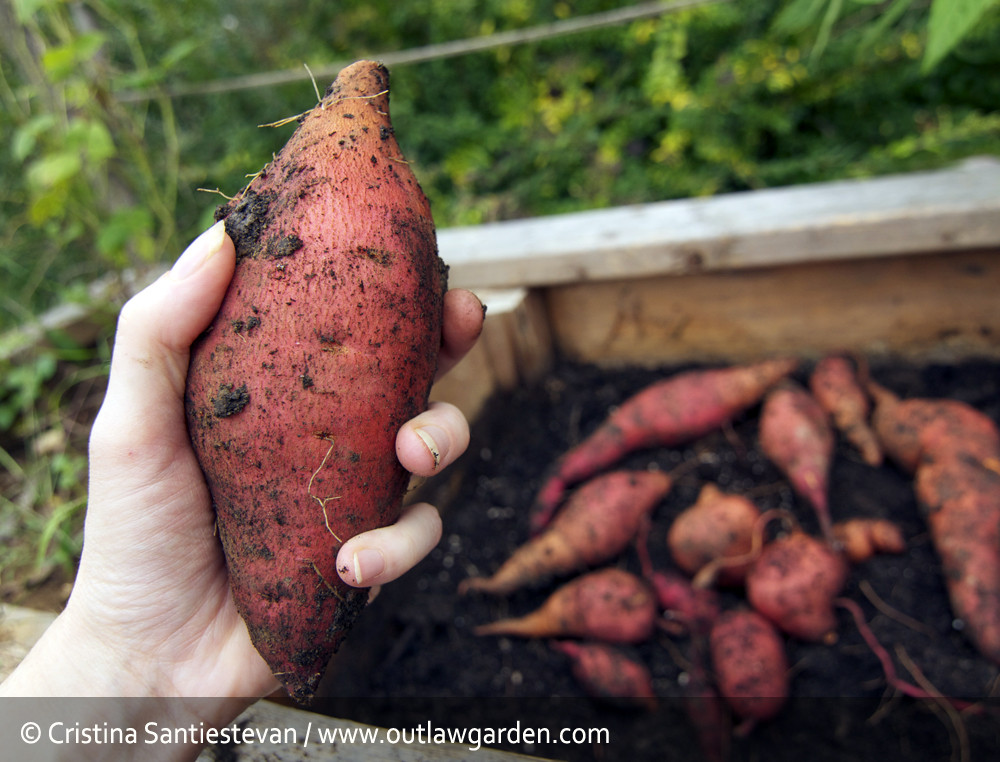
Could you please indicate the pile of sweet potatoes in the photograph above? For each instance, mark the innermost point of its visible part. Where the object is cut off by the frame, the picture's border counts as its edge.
(739, 582)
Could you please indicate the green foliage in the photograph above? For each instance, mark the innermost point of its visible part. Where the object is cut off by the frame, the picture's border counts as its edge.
(48, 399)
(950, 21)
(720, 98)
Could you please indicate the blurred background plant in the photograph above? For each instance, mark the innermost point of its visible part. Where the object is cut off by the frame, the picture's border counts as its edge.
(104, 158)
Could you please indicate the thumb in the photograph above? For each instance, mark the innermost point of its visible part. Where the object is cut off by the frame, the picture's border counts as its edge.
(156, 328)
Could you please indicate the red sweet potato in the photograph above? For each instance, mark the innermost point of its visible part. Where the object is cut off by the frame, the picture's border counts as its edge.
(919, 430)
(718, 525)
(607, 673)
(326, 342)
(835, 385)
(954, 451)
(960, 499)
(796, 436)
(794, 582)
(599, 520)
(611, 605)
(670, 412)
(749, 663)
(859, 539)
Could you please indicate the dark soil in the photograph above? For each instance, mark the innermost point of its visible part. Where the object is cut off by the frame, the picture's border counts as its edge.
(413, 656)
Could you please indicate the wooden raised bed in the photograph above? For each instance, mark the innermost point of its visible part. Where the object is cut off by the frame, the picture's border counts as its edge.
(903, 268)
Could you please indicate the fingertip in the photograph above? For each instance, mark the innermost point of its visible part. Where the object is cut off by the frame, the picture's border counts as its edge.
(433, 440)
(385, 554)
(198, 282)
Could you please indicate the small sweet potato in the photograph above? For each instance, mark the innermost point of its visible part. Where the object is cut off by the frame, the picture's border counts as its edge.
(670, 412)
(325, 344)
(796, 435)
(610, 605)
(597, 523)
(794, 582)
(859, 539)
(749, 664)
(608, 674)
(718, 525)
(836, 387)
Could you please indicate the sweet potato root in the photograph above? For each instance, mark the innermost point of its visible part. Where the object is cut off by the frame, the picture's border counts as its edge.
(610, 605)
(674, 411)
(860, 539)
(718, 525)
(607, 673)
(796, 435)
(598, 521)
(794, 582)
(326, 342)
(707, 711)
(835, 385)
(749, 663)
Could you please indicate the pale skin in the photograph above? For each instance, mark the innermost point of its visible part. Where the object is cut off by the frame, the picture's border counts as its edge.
(150, 613)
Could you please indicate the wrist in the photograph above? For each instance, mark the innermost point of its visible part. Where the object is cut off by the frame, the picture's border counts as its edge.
(85, 695)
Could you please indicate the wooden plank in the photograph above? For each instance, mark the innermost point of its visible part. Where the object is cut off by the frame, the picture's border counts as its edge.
(266, 715)
(937, 306)
(945, 210)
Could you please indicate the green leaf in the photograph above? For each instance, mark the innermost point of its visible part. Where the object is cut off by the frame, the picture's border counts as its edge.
(949, 22)
(53, 169)
(798, 16)
(26, 136)
(92, 138)
(25, 9)
(62, 61)
(177, 53)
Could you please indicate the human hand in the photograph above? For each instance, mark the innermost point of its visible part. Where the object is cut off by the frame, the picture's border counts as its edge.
(151, 612)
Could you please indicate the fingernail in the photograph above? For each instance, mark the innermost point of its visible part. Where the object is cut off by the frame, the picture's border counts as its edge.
(369, 563)
(431, 435)
(199, 252)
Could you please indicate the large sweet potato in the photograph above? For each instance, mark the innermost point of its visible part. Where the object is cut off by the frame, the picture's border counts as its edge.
(326, 342)
(953, 450)
(596, 524)
(671, 412)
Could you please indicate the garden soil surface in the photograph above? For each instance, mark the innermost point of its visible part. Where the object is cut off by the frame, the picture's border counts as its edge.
(413, 658)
